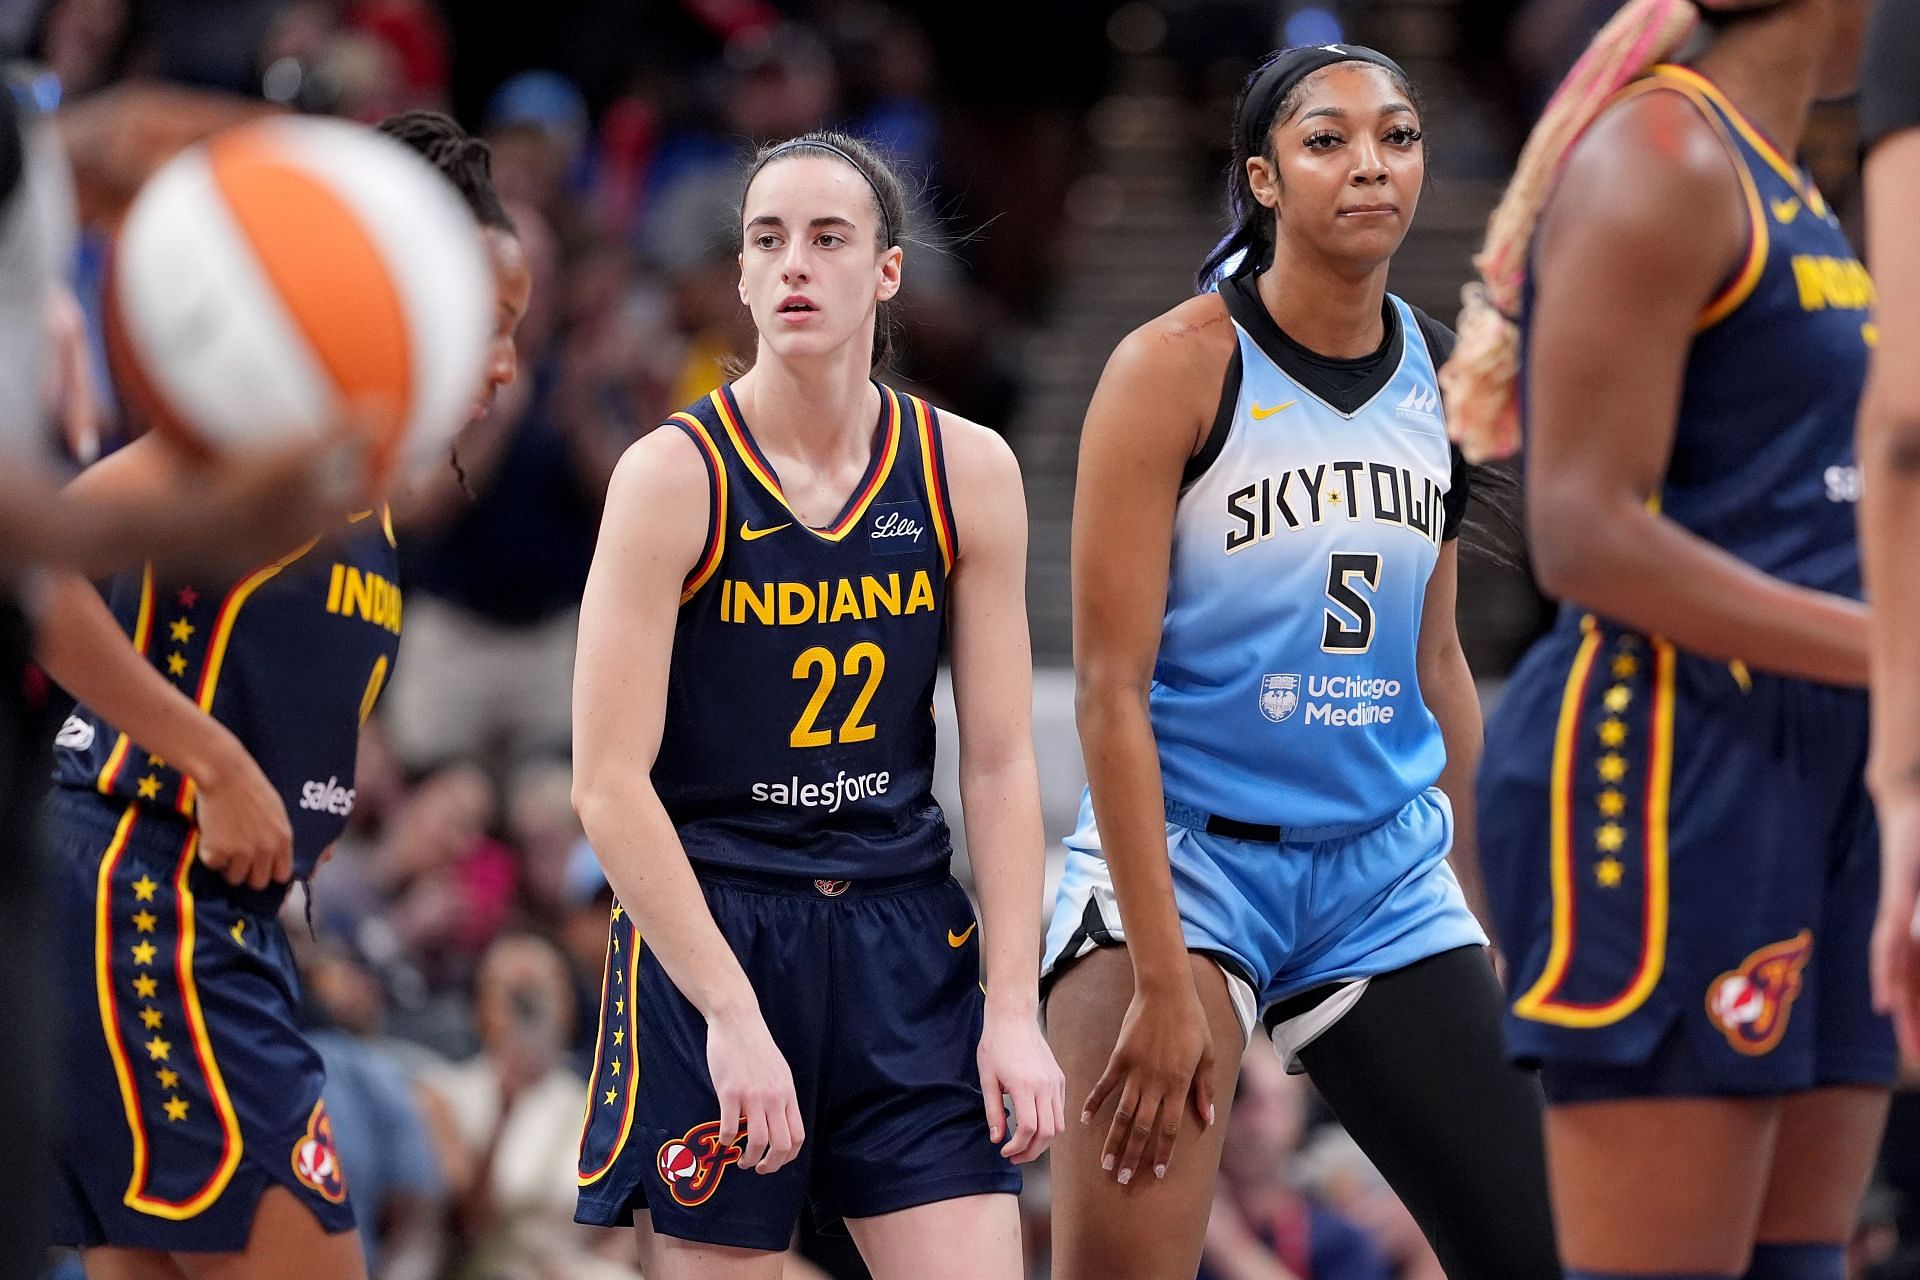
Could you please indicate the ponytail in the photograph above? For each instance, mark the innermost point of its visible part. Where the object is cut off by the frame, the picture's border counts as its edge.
(1479, 381)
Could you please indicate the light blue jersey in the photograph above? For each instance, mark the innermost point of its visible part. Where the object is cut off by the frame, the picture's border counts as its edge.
(1286, 692)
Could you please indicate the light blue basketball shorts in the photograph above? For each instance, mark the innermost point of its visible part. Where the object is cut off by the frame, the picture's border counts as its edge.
(1287, 917)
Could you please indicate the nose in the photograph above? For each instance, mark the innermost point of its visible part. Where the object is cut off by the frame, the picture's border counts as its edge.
(793, 266)
(1369, 162)
(503, 363)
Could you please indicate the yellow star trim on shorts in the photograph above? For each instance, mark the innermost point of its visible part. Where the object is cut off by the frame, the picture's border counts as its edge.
(616, 942)
(1624, 665)
(176, 1109)
(149, 787)
(144, 921)
(168, 1078)
(143, 953)
(614, 1066)
(145, 987)
(158, 762)
(182, 630)
(1608, 872)
(1612, 803)
(1618, 697)
(143, 889)
(1613, 767)
(619, 1006)
(618, 911)
(239, 932)
(1610, 837)
(1613, 732)
(151, 1017)
(611, 1094)
(176, 664)
(619, 1035)
(619, 976)
(158, 1049)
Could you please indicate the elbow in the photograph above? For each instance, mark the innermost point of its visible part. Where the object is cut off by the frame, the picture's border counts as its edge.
(1572, 547)
(1099, 696)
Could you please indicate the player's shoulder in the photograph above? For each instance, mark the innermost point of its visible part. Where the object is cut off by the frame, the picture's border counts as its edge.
(1658, 147)
(975, 454)
(1193, 339)
(668, 465)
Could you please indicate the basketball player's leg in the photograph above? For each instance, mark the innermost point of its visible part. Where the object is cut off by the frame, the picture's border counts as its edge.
(1822, 1161)
(671, 1258)
(1660, 1185)
(1418, 1074)
(967, 1238)
(110, 1262)
(1155, 1227)
(287, 1243)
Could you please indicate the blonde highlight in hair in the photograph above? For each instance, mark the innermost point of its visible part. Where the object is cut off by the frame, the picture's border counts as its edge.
(1479, 382)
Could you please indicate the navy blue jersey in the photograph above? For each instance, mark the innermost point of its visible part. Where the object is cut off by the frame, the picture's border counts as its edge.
(1762, 463)
(799, 725)
(290, 658)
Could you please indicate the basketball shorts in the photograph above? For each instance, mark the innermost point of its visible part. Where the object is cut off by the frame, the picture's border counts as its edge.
(871, 990)
(1682, 864)
(187, 1087)
(1281, 918)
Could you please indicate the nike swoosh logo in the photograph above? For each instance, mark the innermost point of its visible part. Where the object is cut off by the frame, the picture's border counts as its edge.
(1785, 211)
(1261, 415)
(748, 535)
(960, 939)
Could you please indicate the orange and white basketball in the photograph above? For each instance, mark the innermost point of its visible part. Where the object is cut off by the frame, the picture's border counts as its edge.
(294, 273)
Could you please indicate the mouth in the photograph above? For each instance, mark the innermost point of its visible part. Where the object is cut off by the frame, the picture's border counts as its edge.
(1370, 211)
(796, 309)
(481, 406)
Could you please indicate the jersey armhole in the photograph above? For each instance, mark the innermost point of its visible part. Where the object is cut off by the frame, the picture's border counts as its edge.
(709, 561)
(933, 461)
(1222, 422)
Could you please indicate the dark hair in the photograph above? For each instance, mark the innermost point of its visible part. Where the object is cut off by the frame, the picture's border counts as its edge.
(466, 161)
(889, 199)
(1252, 222)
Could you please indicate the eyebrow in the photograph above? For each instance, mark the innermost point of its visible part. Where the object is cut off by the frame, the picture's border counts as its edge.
(1340, 113)
(771, 220)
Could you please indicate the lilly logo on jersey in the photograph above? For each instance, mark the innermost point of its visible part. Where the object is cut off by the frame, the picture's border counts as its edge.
(692, 1165)
(1750, 1005)
(1419, 403)
(1279, 696)
(896, 528)
(327, 797)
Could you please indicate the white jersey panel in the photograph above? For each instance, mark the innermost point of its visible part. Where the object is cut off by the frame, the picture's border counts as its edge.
(1286, 691)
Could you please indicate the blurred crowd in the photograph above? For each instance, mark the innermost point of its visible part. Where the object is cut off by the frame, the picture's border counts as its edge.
(453, 946)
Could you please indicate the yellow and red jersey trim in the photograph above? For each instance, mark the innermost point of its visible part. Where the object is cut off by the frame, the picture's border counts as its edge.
(930, 460)
(629, 1020)
(761, 470)
(142, 640)
(716, 505)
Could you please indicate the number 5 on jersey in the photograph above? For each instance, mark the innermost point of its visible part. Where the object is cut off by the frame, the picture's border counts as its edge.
(819, 663)
(1336, 635)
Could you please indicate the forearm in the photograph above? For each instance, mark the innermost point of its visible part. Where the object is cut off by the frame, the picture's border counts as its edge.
(1641, 569)
(1006, 843)
(87, 654)
(655, 884)
(1123, 769)
(1890, 529)
(1450, 694)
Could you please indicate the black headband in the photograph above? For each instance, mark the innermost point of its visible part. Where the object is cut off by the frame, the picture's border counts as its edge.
(796, 144)
(1283, 71)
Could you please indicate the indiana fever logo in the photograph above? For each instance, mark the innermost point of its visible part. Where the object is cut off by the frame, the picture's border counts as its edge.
(315, 1162)
(691, 1166)
(1750, 1005)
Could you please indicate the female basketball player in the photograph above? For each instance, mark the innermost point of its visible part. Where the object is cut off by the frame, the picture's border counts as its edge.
(1679, 849)
(753, 746)
(1890, 497)
(208, 763)
(1270, 686)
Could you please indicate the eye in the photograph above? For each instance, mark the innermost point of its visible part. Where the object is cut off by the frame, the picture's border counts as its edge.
(1404, 135)
(766, 240)
(1323, 141)
(830, 240)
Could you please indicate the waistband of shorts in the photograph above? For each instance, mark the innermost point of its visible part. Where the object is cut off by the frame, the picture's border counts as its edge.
(793, 886)
(1214, 824)
(96, 818)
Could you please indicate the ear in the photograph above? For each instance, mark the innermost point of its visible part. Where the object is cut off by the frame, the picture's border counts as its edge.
(1264, 178)
(891, 263)
(740, 285)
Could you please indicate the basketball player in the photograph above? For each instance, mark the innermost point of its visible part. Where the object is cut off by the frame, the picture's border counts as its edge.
(793, 1014)
(1890, 497)
(211, 761)
(1270, 688)
(1678, 844)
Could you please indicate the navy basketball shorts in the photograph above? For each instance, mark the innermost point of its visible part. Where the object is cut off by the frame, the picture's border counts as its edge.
(1683, 864)
(871, 990)
(187, 1088)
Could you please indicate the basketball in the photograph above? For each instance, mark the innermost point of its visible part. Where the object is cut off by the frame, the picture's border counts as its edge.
(290, 273)
(676, 1162)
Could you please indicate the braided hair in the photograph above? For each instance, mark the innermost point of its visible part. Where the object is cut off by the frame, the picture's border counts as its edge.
(466, 161)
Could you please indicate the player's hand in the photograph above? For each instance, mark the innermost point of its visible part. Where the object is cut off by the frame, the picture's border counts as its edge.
(756, 1092)
(1162, 1063)
(244, 832)
(1014, 1060)
(1895, 961)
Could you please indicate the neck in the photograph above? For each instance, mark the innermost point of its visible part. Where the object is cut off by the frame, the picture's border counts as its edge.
(1761, 64)
(1327, 308)
(815, 406)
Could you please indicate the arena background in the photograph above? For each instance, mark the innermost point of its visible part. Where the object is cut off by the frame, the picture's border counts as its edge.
(1068, 156)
